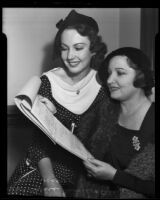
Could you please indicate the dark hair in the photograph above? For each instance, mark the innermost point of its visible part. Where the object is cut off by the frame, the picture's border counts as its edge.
(85, 26)
(136, 60)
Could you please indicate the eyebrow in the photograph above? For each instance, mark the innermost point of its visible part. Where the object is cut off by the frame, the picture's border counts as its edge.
(75, 44)
(118, 68)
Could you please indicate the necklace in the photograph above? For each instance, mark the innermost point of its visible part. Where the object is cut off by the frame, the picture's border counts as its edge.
(68, 84)
(81, 84)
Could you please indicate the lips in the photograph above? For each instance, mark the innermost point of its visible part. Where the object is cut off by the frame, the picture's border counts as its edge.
(73, 64)
(112, 89)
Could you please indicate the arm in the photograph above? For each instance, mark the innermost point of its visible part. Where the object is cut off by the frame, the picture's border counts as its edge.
(140, 173)
(51, 184)
(39, 151)
(125, 179)
(105, 171)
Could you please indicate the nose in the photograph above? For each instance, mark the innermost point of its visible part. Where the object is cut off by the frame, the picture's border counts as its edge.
(110, 79)
(70, 54)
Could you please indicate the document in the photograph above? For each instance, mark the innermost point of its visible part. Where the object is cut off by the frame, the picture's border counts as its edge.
(28, 102)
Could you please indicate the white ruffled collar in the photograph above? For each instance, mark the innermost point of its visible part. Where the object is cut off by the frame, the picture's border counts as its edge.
(76, 98)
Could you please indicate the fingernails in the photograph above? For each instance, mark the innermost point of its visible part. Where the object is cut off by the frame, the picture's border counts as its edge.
(90, 159)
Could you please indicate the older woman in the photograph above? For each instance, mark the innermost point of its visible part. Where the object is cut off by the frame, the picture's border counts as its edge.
(130, 163)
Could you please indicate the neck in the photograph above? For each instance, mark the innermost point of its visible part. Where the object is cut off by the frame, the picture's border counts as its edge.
(134, 104)
(76, 77)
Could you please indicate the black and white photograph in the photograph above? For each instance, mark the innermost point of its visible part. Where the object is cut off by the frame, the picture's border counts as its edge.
(81, 101)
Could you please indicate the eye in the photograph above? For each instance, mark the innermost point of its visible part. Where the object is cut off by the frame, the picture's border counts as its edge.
(78, 48)
(120, 73)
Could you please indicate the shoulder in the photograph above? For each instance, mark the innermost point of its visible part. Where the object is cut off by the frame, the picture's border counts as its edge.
(51, 74)
(148, 125)
(151, 115)
(151, 112)
(55, 71)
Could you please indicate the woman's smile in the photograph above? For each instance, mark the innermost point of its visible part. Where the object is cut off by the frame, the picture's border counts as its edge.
(73, 63)
(113, 88)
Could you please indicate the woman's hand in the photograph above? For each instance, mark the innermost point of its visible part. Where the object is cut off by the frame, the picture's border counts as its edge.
(48, 103)
(52, 188)
(99, 169)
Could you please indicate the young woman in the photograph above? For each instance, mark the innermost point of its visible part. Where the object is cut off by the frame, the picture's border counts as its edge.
(130, 163)
(74, 90)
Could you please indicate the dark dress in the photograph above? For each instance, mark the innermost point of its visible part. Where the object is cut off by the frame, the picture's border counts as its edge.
(126, 145)
(65, 165)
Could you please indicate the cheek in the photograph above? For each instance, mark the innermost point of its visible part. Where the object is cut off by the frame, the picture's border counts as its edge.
(63, 55)
(128, 90)
(127, 82)
(86, 57)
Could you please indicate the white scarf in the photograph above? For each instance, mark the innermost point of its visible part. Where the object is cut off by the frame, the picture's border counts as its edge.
(66, 94)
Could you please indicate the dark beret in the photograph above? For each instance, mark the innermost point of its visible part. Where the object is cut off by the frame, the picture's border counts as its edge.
(74, 18)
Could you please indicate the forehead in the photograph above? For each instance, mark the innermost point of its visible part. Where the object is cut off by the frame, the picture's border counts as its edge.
(71, 36)
(119, 62)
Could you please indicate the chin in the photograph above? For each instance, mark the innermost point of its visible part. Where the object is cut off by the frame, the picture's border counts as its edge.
(73, 69)
(116, 97)
(76, 71)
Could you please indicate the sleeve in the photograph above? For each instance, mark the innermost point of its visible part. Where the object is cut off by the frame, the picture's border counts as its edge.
(134, 183)
(40, 147)
(45, 88)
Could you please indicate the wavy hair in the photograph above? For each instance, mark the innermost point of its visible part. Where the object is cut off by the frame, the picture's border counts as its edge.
(138, 61)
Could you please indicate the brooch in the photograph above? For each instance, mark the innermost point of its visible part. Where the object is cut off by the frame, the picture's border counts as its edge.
(136, 143)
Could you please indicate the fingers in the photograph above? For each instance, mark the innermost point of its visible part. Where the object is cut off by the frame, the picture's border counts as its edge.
(43, 99)
(87, 163)
(90, 168)
(96, 162)
(48, 103)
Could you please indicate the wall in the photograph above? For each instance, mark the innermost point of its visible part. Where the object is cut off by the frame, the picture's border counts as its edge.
(129, 32)
(30, 34)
